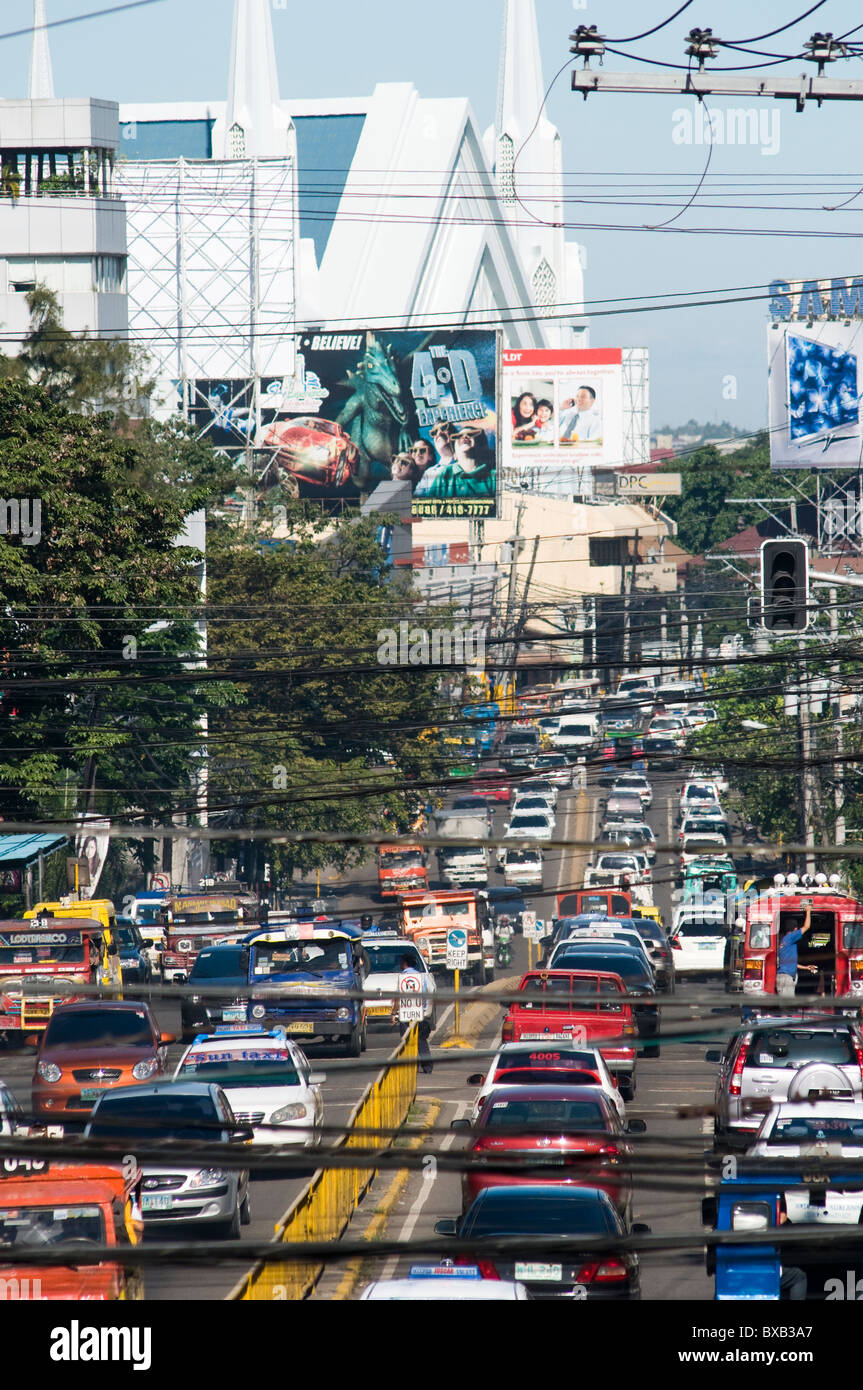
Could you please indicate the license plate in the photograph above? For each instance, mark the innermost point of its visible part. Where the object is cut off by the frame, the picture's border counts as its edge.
(91, 1093)
(233, 1015)
(300, 1028)
(545, 1037)
(706, 946)
(156, 1202)
(538, 1271)
(378, 1010)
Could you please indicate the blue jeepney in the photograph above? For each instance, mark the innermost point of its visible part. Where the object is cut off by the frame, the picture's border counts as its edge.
(817, 1194)
(301, 977)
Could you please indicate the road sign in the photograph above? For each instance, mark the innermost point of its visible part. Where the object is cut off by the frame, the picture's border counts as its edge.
(456, 949)
(411, 1010)
(532, 929)
(161, 881)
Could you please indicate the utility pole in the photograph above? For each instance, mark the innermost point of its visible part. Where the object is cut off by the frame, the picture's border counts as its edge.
(807, 772)
(838, 766)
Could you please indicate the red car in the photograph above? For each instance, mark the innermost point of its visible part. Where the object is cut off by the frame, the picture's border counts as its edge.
(313, 450)
(578, 1123)
(493, 783)
(577, 1006)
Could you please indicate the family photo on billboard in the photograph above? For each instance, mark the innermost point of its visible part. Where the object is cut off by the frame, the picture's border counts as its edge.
(566, 413)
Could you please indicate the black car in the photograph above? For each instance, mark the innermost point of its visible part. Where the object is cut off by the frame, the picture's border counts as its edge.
(135, 961)
(530, 1212)
(215, 967)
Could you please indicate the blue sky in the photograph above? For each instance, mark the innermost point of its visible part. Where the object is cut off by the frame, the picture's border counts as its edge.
(705, 362)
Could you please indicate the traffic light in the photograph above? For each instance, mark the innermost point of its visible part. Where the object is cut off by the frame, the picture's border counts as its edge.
(785, 586)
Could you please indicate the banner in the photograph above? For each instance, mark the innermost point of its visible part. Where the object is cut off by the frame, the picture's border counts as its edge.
(563, 414)
(91, 843)
(367, 408)
(814, 385)
(649, 484)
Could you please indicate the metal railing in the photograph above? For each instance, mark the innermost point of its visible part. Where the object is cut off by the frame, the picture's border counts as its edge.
(323, 1210)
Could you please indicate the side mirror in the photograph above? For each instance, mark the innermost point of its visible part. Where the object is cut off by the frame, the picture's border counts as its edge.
(317, 1078)
(445, 1228)
(475, 1079)
(167, 1037)
(714, 1055)
(640, 1228)
(462, 1126)
(636, 1127)
(241, 1136)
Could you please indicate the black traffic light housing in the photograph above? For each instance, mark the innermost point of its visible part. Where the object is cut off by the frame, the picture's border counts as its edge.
(785, 586)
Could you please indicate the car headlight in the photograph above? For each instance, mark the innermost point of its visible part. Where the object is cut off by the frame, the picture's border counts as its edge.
(343, 1013)
(142, 1071)
(194, 999)
(288, 1112)
(258, 1011)
(209, 1177)
(49, 1071)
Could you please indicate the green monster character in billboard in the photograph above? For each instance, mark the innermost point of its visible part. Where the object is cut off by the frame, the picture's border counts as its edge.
(374, 414)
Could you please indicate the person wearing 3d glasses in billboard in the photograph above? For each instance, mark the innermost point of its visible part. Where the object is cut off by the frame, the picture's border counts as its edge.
(472, 473)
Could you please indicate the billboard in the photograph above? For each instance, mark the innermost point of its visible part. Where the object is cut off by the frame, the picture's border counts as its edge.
(814, 385)
(563, 417)
(368, 408)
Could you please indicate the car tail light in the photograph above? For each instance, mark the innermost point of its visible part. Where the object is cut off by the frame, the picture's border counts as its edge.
(487, 1269)
(507, 1031)
(858, 1052)
(628, 1030)
(609, 1153)
(609, 1271)
(676, 944)
(753, 969)
(737, 1073)
(855, 966)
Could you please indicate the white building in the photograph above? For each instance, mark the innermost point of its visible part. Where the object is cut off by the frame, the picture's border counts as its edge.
(62, 222)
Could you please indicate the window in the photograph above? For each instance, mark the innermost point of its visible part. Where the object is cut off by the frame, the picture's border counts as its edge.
(109, 274)
(236, 142)
(611, 551)
(544, 285)
(505, 170)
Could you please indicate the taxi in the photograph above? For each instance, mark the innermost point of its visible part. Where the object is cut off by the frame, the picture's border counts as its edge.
(267, 1079)
(444, 1283)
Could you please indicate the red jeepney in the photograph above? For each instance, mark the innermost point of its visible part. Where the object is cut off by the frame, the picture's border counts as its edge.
(401, 869)
(194, 922)
(612, 902)
(55, 953)
(581, 1006)
(832, 949)
(47, 1204)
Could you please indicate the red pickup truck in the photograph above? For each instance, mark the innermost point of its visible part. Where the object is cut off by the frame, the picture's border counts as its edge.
(578, 1006)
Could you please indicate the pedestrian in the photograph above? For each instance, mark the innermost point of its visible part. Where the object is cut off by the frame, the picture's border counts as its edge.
(786, 956)
(407, 966)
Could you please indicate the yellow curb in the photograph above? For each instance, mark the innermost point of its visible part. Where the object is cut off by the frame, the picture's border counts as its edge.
(456, 1040)
(351, 1276)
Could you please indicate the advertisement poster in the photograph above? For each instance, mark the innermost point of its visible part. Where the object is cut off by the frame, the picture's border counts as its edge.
(92, 843)
(366, 408)
(563, 412)
(814, 387)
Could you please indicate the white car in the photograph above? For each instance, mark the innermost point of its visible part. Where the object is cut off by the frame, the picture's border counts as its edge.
(386, 952)
(555, 768)
(831, 1128)
(533, 801)
(540, 786)
(642, 838)
(632, 863)
(711, 774)
(523, 1064)
(671, 725)
(695, 794)
(701, 715)
(697, 941)
(634, 782)
(267, 1080)
(522, 868)
(530, 825)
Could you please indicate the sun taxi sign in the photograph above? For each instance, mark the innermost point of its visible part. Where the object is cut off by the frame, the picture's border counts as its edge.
(445, 1272)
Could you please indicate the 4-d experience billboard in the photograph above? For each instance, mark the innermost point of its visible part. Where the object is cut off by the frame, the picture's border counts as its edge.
(365, 408)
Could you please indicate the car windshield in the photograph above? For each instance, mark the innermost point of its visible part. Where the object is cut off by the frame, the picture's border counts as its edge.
(442, 909)
(288, 957)
(702, 926)
(576, 730)
(39, 955)
(789, 1049)
(616, 962)
(522, 856)
(28, 1226)
(798, 1129)
(387, 960)
(127, 936)
(617, 861)
(552, 760)
(700, 793)
(538, 1214)
(157, 1116)
(253, 1066)
(532, 803)
(221, 964)
(403, 858)
(703, 827)
(529, 823)
(98, 1027)
(513, 740)
(545, 1115)
(470, 803)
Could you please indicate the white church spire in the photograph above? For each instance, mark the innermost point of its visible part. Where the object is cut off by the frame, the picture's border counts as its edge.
(254, 123)
(41, 76)
(525, 148)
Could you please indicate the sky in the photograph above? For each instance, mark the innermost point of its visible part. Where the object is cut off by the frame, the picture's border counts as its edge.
(630, 161)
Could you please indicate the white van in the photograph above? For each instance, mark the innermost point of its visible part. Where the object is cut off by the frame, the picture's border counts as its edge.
(643, 680)
(577, 733)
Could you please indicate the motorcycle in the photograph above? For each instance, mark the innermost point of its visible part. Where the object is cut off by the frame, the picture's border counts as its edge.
(503, 949)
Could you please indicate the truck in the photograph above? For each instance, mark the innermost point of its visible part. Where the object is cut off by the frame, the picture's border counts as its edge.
(400, 869)
(56, 953)
(303, 976)
(427, 917)
(466, 863)
(48, 1204)
(203, 920)
(830, 956)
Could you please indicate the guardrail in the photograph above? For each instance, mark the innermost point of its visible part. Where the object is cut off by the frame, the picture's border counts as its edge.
(323, 1210)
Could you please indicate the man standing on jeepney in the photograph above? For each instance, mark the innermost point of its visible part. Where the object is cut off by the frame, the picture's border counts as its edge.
(792, 929)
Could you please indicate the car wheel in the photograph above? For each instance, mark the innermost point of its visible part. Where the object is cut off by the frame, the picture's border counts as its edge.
(246, 1208)
(353, 1045)
(364, 1042)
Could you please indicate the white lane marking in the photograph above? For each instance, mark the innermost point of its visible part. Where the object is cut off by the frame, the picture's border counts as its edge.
(421, 1199)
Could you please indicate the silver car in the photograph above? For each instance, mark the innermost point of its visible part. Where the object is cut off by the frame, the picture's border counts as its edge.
(181, 1193)
(761, 1061)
